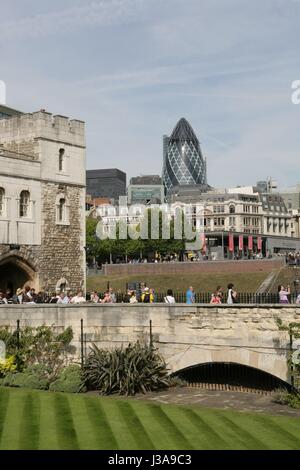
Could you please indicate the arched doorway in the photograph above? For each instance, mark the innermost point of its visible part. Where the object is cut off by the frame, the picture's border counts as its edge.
(230, 376)
(15, 273)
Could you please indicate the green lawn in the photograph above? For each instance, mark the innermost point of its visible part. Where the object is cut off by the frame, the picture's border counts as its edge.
(203, 282)
(47, 420)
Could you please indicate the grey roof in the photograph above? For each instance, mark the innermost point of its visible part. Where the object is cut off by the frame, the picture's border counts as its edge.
(183, 131)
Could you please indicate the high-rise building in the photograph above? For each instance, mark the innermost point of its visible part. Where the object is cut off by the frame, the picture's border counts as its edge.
(108, 183)
(146, 189)
(183, 160)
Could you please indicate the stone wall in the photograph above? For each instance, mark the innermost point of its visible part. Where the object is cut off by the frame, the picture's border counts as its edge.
(194, 267)
(185, 335)
(62, 254)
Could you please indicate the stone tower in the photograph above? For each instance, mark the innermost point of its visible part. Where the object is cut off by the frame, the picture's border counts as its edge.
(42, 202)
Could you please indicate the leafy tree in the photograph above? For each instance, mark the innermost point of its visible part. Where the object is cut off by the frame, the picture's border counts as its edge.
(293, 330)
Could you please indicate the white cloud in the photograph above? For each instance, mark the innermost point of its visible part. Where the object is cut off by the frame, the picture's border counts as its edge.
(96, 13)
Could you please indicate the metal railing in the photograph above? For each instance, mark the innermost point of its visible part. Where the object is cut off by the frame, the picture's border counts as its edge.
(205, 297)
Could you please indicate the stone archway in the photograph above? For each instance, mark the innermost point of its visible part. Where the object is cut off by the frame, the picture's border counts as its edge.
(16, 272)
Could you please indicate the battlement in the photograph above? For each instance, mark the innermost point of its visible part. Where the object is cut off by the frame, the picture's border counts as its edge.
(42, 125)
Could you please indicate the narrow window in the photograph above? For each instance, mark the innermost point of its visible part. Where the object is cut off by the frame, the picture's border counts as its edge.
(2, 194)
(61, 159)
(24, 203)
(61, 210)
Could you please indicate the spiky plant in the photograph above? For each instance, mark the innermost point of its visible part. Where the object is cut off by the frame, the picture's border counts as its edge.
(134, 369)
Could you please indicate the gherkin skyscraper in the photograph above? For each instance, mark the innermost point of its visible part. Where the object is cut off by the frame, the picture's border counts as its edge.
(183, 164)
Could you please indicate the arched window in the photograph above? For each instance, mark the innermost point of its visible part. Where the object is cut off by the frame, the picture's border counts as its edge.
(232, 209)
(61, 159)
(62, 210)
(24, 203)
(2, 195)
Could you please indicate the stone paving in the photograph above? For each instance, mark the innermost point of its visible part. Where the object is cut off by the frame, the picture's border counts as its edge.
(241, 401)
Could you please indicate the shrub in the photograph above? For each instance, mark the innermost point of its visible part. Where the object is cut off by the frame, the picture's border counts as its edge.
(8, 365)
(34, 377)
(125, 371)
(69, 380)
(283, 397)
(41, 345)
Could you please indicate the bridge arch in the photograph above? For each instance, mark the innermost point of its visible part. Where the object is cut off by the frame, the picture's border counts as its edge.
(231, 375)
(270, 361)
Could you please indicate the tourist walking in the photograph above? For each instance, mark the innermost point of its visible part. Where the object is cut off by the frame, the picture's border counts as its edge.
(215, 298)
(283, 294)
(133, 299)
(231, 295)
(190, 295)
(169, 299)
(147, 296)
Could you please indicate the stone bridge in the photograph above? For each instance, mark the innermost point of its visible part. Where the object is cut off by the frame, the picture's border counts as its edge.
(186, 335)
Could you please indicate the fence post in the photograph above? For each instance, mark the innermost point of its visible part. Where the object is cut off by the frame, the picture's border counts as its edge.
(18, 335)
(151, 335)
(292, 366)
(81, 341)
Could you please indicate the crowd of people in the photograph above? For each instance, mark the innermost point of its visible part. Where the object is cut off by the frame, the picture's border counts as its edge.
(28, 295)
(142, 294)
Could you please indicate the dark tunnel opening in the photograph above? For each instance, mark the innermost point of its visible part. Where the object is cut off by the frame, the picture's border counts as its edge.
(231, 376)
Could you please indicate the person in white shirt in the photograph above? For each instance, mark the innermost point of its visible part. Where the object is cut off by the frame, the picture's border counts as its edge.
(169, 299)
(78, 299)
(63, 299)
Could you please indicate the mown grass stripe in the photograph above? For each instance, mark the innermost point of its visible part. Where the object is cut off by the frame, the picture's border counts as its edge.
(135, 426)
(160, 436)
(4, 399)
(13, 420)
(278, 431)
(246, 438)
(30, 424)
(215, 421)
(48, 434)
(208, 437)
(66, 434)
(171, 427)
(105, 438)
(118, 425)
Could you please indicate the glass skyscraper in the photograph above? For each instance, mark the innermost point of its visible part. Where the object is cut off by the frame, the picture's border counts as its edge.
(183, 163)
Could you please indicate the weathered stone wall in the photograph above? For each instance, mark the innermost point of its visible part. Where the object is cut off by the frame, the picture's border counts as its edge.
(50, 251)
(185, 335)
(26, 147)
(194, 267)
(62, 254)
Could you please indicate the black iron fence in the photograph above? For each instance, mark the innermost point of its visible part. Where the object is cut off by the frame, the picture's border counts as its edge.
(205, 297)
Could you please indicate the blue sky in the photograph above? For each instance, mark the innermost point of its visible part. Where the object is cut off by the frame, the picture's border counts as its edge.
(132, 68)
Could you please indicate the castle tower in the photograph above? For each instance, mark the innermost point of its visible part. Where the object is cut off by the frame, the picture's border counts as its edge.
(42, 202)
